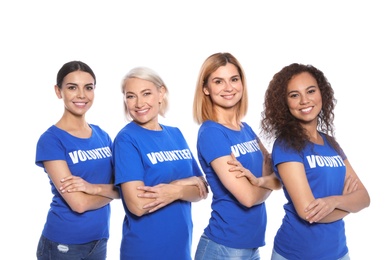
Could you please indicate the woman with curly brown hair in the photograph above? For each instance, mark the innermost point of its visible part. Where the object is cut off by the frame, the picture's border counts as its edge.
(319, 182)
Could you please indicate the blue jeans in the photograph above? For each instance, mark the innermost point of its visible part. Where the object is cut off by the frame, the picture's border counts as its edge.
(209, 250)
(49, 250)
(276, 256)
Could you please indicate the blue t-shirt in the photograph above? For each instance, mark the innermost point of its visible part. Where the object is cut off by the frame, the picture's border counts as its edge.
(155, 157)
(325, 172)
(232, 224)
(88, 158)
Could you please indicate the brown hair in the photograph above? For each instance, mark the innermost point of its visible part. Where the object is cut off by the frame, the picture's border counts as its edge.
(277, 121)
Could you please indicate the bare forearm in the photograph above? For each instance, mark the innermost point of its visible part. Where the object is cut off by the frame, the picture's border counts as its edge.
(271, 182)
(354, 202)
(85, 202)
(336, 214)
(107, 190)
(254, 196)
(190, 193)
(195, 181)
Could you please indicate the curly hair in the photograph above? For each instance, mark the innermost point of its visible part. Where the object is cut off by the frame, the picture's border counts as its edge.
(278, 122)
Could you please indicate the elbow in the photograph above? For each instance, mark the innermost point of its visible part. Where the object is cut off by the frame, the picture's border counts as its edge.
(247, 201)
(248, 204)
(80, 211)
(116, 194)
(278, 186)
(138, 213)
(303, 217)
(302, 214)
(197, 199)
(136, 210)
(364, 204)
(368, 201)
(79, 207)
(251, 201)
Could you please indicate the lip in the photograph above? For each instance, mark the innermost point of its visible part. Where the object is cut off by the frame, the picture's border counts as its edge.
(306, 110)
(80, 104)
(229, 96)
(142, 111)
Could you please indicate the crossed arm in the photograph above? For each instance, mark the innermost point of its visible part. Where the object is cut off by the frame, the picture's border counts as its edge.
(327, 209)
(79, 194)
(230, 172)
(141, 199)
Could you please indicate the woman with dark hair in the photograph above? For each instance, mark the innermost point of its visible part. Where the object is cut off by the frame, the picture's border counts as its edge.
(319, 182)
(77, 157)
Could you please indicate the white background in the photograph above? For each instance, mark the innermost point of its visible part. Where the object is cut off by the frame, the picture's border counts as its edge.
(347, 40)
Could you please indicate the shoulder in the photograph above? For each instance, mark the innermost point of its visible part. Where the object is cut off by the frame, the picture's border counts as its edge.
(280, 145)
(246, 125)
(172, 130)
(331, 142)
(210, 126)
(52, 132)
(209, 123)
(97, 129)
(248, 128)
(126, 131)
(212, 133)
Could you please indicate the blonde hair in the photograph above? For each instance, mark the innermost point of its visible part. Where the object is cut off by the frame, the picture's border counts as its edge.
(148, 74)
(203, 106)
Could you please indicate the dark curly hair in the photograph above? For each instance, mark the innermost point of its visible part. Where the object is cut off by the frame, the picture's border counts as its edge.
(278, 122)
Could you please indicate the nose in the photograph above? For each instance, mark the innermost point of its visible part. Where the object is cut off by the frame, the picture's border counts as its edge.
(304, 100)
(80, 93)
(139, 102)
(228, 87)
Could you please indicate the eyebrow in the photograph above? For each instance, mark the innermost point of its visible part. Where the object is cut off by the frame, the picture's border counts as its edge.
(307, 88)
(234, 76)
(75, 84)
(142, 91)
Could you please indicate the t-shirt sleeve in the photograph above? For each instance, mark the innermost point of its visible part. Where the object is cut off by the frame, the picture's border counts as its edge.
(49, 148)
(127, 161)
(213, 143)
(281, 154)
(196, 169)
